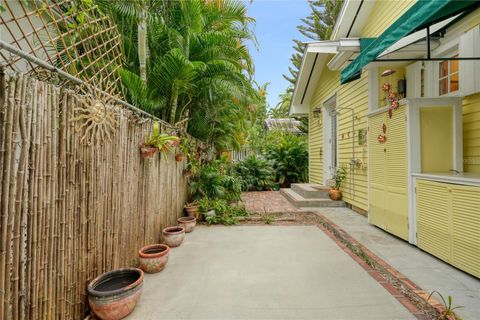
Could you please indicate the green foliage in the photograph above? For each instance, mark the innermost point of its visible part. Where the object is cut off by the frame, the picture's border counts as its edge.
(189, 61)
(267, 218)
(214, 182)
(317, 26)
(338, 177)
(255, 173)
(161, 141)
(289, 155)
(225, 213)
(448, 313)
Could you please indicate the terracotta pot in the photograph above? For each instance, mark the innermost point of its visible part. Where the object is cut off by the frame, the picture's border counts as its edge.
(173, 236)
(335, 194)
(178, 157)
(192, 211)
(153, 258)
(147, 151)
(188, 223)
(114, 294)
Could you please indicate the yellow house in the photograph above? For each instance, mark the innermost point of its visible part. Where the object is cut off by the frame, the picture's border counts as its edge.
(394, 97)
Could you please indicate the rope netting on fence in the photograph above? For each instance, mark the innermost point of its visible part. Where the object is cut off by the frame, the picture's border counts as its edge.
(73, 36)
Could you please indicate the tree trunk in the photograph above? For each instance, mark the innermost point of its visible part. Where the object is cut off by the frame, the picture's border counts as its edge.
(173, 104)
(142, 45)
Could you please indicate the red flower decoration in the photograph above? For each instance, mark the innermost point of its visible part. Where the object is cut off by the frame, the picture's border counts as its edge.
(392, 96)
(386, 87)
(395, 104)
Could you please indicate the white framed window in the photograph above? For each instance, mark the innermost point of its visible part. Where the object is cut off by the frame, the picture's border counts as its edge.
(448, 76)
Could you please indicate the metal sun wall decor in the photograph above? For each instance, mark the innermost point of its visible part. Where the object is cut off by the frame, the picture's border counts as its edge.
(97, 115)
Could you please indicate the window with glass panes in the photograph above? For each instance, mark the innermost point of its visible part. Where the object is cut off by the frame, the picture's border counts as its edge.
(448, 76)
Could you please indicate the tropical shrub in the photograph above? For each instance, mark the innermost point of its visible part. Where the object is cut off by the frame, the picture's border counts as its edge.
(255, 173)
(289, 155)
(213, 181)
(225, 213)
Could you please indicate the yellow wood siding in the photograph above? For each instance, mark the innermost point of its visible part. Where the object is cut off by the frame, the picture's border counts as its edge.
(448, 223)
(471, 133)
(353, 96)
(389, 173)
(328, 83)
(384, 14)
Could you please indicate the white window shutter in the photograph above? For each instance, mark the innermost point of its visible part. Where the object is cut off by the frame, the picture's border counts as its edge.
(469, 46)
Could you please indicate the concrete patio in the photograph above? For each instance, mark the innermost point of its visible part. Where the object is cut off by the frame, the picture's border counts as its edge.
(264, 272)
(422, 268)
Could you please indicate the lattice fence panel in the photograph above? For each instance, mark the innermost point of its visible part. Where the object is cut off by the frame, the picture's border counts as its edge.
(73, 36)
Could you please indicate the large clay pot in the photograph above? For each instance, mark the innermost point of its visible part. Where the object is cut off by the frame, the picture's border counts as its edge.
(335, 194)
(188, 223)
(147, 151)
(192, 210)
(173, 236)
(154, 257)
(114, 294)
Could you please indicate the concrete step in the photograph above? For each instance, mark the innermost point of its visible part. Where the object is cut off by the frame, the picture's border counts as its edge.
(310, 190)
(300, 202)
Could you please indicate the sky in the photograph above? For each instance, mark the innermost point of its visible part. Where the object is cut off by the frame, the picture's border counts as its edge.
(275, 27)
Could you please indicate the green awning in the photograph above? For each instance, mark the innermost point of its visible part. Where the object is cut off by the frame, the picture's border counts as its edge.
(421, 15)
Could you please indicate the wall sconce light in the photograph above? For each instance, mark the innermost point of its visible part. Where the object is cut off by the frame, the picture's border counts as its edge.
(317, 112)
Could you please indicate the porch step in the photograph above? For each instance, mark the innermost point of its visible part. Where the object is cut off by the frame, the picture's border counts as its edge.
(300, 202)
(310, 190)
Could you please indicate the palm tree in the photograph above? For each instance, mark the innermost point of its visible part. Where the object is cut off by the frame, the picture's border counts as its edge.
(198, 61)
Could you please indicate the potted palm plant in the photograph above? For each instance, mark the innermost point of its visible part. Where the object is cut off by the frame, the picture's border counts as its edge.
(338, 177)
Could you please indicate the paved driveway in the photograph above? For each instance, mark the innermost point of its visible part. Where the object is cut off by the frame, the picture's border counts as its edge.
(263, 272)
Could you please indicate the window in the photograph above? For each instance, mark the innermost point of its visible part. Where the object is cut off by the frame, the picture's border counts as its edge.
(448, 76)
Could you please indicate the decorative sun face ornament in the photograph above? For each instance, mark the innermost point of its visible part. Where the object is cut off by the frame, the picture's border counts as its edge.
(97, 115)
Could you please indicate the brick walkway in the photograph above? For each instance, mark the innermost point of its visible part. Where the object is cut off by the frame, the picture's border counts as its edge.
(267, 201)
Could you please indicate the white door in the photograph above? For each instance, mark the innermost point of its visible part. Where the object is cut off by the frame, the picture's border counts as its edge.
(329, 138)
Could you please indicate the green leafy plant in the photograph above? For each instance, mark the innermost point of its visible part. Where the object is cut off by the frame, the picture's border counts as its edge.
(338, 177)
(255, 173)
(289, 155)
(267, 218)
(225, 213)
(214, 182)
(161, 141)
(448, 313)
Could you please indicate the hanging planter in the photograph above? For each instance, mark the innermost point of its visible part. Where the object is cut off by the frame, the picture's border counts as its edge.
(179, 157)
(147, 151)
(153, 258)
(173, 236)
(188, 223)
(114, 294)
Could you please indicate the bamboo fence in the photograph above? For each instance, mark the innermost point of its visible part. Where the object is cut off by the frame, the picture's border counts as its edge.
(71, 211)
